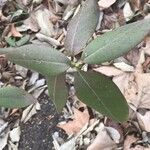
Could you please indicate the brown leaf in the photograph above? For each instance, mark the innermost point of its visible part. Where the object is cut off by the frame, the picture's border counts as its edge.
(130, 139)
(109, 70)
(31, 23)
(135, 87)
(143, 82)
(128, 86)
(102, 141)
(42, 16)
(144, 120)
(133, 56)
(105, 3)
(80, 119)
(136, 5)
(2, 17)
(14, 31)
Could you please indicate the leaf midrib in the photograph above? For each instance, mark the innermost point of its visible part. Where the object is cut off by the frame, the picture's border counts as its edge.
(54, 89)
(76, 28)
(97, 96)
(115, 40)
(41, 61)
(10, 97)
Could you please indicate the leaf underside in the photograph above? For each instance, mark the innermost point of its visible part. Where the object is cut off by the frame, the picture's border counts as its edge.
(13, 97)
(81, 27)
(57, 90)
(115, 43)
(100, 93)
(42, 59)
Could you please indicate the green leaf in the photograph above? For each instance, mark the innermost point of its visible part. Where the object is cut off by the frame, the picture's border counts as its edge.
(13, 97)
(11, 41)
(23, 40)
(100, 93)
(81, 27)
(115, 43)
(42, 59)
(57, 90)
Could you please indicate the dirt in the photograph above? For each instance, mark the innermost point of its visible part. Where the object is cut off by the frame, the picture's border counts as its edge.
(36, 134)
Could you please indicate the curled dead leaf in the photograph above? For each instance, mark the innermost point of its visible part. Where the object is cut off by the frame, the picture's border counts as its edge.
(102, 141)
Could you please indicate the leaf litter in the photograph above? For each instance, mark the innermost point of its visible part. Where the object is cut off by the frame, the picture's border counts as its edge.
(86, 130)
(79, 120)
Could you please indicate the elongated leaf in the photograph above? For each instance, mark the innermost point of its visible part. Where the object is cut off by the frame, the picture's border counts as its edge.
(115, 43)
(42, 59)
(57, 90)
(100, 93)
(81, 27)
(13, 97)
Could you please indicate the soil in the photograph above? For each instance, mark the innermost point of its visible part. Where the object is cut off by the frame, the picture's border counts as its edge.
(36, 134)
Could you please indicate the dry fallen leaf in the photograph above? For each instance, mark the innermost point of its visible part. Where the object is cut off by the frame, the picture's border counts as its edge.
(133, 56)
(3, 133)
(42, 16)
(147, 47)
(115, 135)
(105, 3)
(15, 134)
(109, 71)
(136, 5)
(115, 130)
(102, 141)
(69, 144)
(130, 139)
(14, 31)
(144, 120)
(31, 24)
(26, 2)
(124, 67)
(29, 112)
(80, 119)
(135, 87)
(2, 17)
(143, 82)
(3, 141)
(127, 11)
(128, 87)
(2, 3)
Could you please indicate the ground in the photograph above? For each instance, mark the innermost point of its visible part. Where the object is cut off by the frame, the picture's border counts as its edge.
(77, 127)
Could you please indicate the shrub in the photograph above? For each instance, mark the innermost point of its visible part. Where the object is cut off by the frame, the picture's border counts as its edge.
(94, 89)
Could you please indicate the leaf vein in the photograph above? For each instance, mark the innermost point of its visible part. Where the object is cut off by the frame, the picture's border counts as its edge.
(97, 96)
